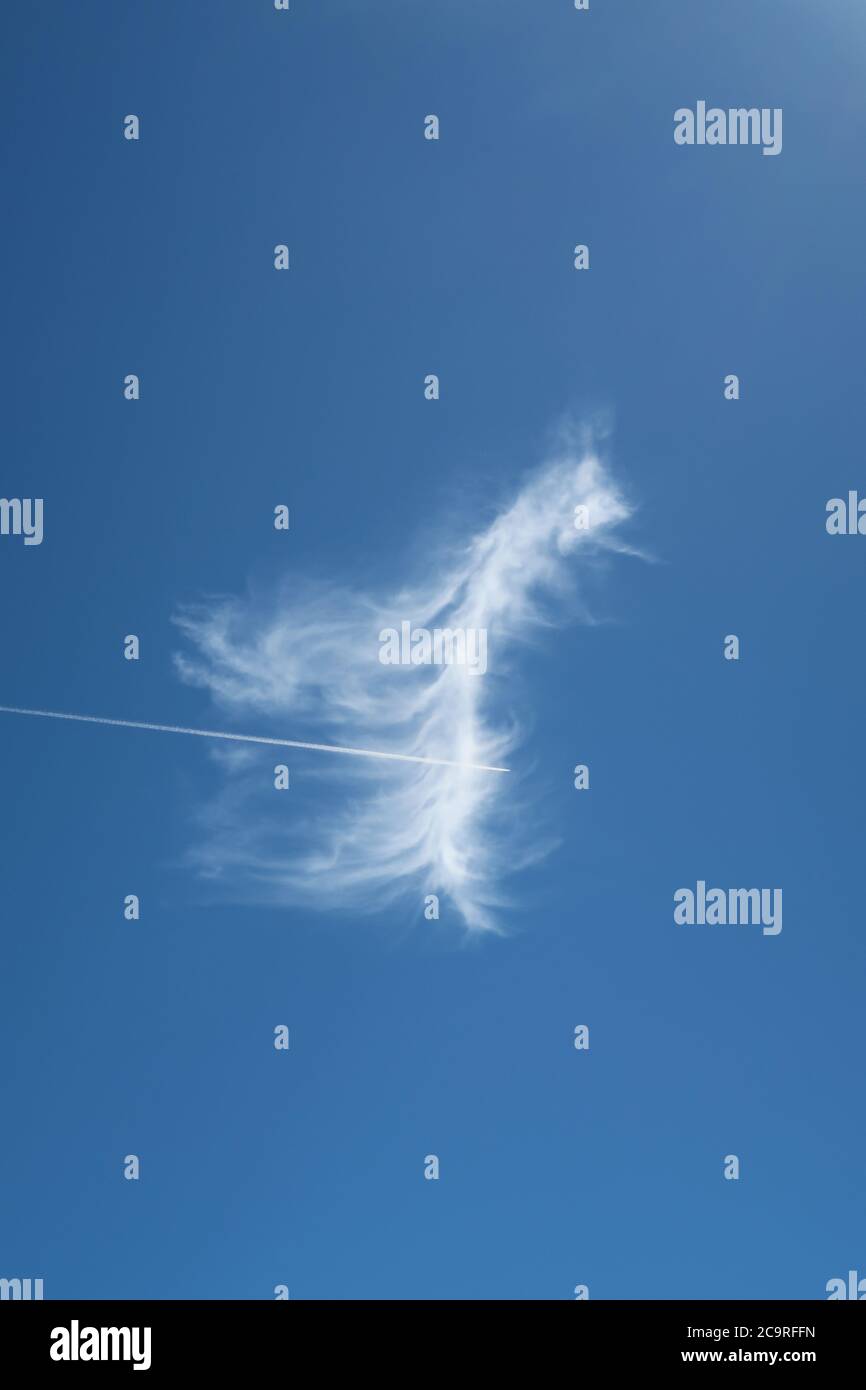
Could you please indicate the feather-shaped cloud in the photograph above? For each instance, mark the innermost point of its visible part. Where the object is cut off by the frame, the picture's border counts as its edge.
(313, 659)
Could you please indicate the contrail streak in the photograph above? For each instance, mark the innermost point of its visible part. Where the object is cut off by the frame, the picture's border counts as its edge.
(249, 738)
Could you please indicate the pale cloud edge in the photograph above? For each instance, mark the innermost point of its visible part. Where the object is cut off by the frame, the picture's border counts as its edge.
(399, 830)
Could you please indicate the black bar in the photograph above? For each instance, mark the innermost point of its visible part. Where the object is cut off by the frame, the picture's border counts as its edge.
(222, 1338)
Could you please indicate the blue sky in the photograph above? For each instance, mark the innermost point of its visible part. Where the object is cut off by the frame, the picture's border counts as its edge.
(411, 1037)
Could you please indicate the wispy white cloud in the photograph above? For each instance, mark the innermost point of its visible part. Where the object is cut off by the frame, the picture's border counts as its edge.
(312, 658)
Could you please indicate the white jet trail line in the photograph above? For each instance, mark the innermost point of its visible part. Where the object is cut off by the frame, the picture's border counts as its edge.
(250, 738)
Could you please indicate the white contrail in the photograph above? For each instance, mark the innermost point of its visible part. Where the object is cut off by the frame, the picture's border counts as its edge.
(249, 738)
